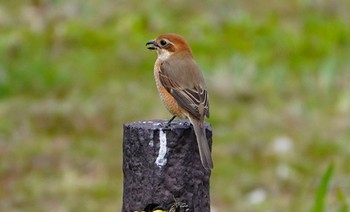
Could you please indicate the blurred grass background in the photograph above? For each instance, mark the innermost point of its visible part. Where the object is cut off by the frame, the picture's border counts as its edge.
(72, 72)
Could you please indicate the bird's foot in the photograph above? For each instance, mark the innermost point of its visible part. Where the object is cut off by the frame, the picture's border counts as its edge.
(168, 124)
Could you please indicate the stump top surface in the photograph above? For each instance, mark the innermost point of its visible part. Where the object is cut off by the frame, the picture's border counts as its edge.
(162, 124)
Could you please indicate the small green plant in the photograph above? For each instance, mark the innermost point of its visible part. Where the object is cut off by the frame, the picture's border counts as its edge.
(321, 193)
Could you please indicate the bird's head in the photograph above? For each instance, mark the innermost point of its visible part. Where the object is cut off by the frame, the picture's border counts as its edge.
(169, 44)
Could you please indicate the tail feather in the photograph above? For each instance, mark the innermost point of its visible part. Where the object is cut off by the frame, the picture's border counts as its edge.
(203, 145)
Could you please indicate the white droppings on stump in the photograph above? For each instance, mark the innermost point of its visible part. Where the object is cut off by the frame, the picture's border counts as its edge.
(161, 159)
(157, 124)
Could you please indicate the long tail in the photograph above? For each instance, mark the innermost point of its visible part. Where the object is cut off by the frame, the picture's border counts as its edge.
(203, 145)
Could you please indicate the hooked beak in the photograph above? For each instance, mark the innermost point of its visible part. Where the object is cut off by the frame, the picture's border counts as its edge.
(153, 43)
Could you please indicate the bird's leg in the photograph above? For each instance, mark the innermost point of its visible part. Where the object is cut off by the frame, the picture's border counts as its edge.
(169, 122)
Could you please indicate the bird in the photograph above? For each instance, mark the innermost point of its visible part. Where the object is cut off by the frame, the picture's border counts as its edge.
(181, 87)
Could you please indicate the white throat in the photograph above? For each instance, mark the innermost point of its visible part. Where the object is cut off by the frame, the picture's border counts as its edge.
(163, 54)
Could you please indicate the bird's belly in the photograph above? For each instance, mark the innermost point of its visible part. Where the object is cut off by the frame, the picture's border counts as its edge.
(169, 101)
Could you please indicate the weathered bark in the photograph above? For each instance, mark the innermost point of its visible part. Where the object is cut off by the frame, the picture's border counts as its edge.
(162, 167)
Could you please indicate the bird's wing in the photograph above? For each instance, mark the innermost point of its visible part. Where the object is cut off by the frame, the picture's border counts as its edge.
(184, 81)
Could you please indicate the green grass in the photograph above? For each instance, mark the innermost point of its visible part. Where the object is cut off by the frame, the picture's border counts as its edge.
(322, 191)
(72, 72)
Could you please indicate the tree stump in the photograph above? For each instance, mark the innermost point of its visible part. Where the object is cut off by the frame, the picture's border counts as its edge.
(162, 168)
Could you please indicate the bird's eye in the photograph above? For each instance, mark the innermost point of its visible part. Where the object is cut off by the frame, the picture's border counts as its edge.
(163, 42)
